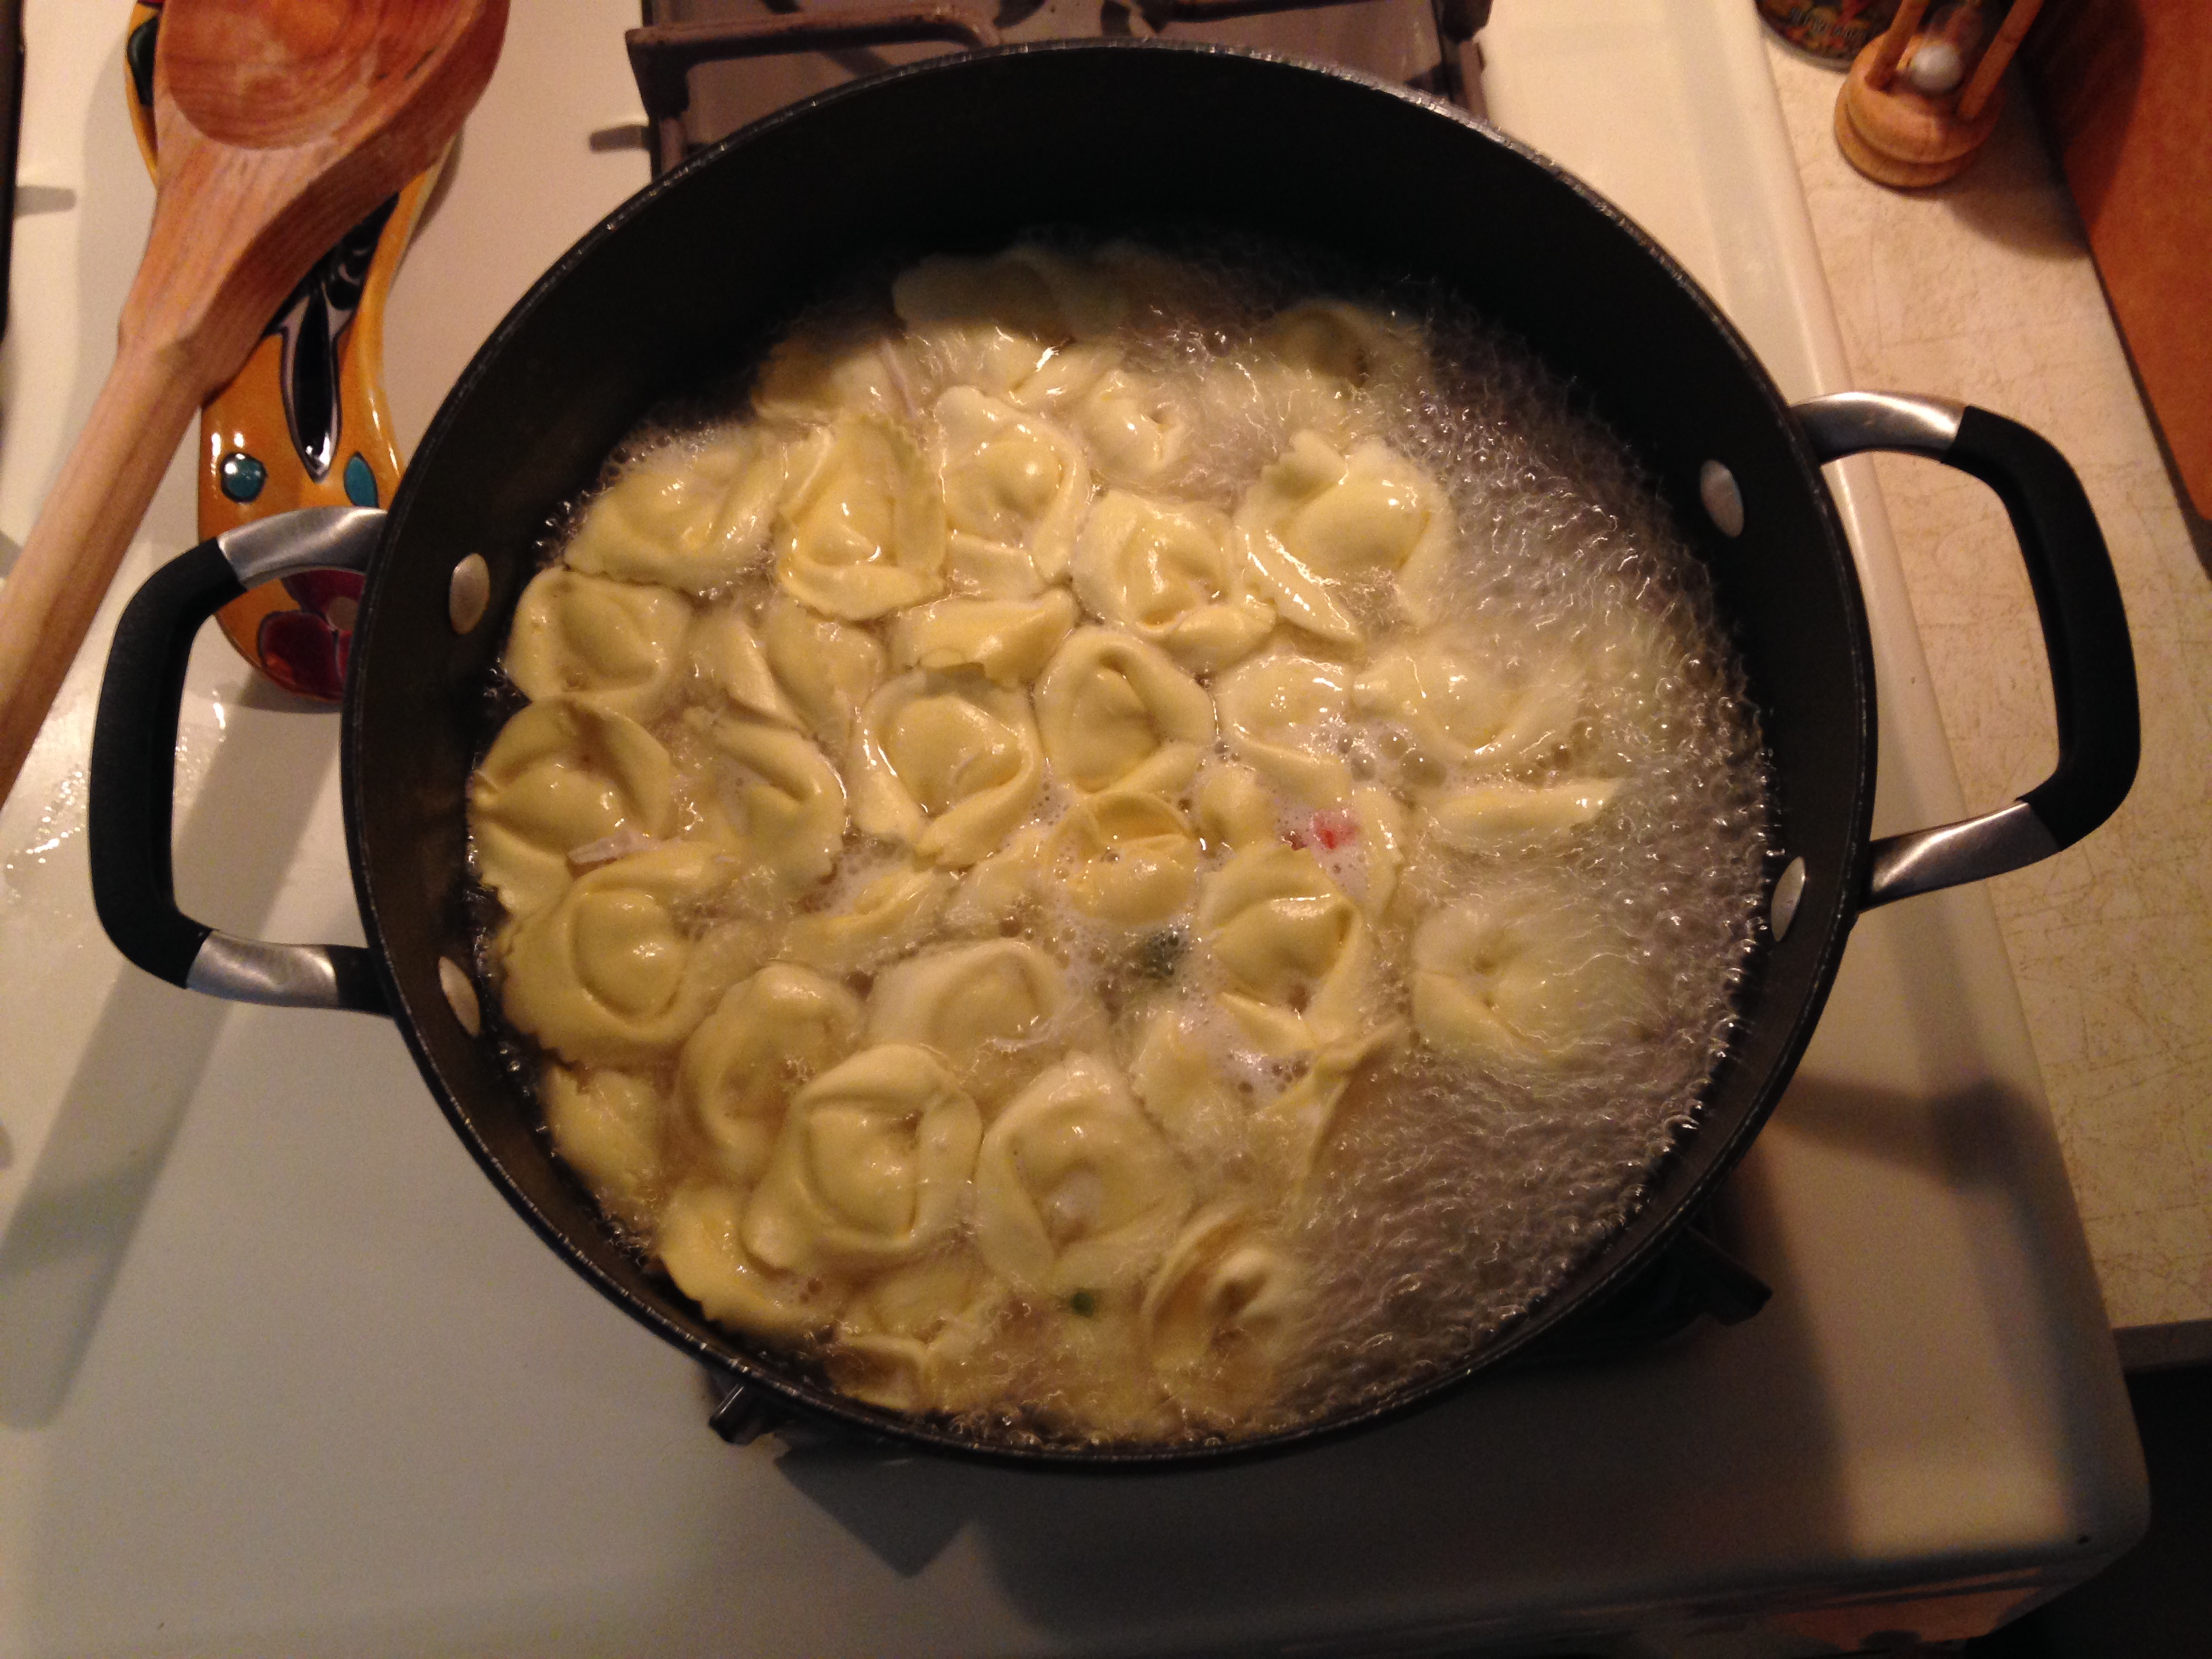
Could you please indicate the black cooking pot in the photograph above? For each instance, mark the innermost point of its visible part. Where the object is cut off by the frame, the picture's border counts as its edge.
(965, 153)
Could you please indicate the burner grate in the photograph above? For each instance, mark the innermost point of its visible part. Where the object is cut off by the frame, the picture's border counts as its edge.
(706, 67)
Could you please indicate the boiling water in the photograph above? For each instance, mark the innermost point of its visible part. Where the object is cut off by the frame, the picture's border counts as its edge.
(1454, 1195)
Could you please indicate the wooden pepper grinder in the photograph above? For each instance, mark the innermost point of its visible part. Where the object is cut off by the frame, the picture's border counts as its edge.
(1922, 97)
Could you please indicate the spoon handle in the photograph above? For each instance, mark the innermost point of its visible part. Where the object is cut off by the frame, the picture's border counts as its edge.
(48, 600)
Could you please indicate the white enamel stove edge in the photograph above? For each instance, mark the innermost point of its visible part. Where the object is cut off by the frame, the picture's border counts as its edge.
(280, 1371)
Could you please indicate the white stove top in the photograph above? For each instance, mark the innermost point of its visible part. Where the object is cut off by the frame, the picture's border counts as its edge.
(280, 1371)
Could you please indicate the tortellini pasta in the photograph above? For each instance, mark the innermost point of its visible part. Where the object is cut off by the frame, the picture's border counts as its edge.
(561, 775)
(1011, 481)
(808, 380)
(948, 765)
(1235, 808)
(1010, 640)
(887, 917)
(1346, 343)
(1165, 572)
(1319, 524)
(1286, 715)
(1075, 1190)
(1297, 955)
(1451, 702)
(1135, 427)
(607, 1124)
(766, 1037)
(619, 645)
(861, 532)
(1125, 856)
(612, 974)
(1325, 366)
(698, 1242)
(871, 1168)
(1024, 842)
(912, 1339)
(1217, 1308)
(995, 1010)
(1490, 814)
(1296, 1127)
(1175, 1076)
(691, 515)
(728, 664)
(826, 669)
(1115, 711)
(992, 322)
(1522, 980)
(779, 804)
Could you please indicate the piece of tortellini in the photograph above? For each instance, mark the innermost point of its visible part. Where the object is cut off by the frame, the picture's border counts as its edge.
(860, 531)
(1333, 539)
(1075, 1190)
(995, 895)
(871, 1168)
(1116, 711)
(948, 764)
(620, 645)
(1011, 641)
(767, 1037)
(884, 918)
(562, 775)
(996, 1011)
(1286, 716)
(700, 1241)
(812, 378)
(1216, 1313)
(1013, 481)
(827, 669)
(915, 1337)
(1124, 856)
(613, 973)
(1296, 954)
(1236, 808)
(1522, 979)
(1166, 573)
(1178, 1078)
(691, 514)
(777, 803)
(1380, 818)
(606, 1126)
(993, 321)
(1485, 815)
(1136, 427)
(1455, 698)
(1360, 348)
(1293, 1131)
(729, 665)
(1323, 366)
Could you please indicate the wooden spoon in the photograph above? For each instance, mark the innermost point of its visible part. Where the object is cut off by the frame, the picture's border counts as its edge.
(280, 122)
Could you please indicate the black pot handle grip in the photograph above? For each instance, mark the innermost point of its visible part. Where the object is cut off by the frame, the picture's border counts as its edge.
(2085, 634)
(134, 750)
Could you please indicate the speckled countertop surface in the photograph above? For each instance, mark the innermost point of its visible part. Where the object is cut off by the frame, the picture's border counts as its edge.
(1982, 289)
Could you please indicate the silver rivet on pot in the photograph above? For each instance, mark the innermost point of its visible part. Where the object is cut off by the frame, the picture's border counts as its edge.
(460, 994)
(1787, 892)
(1724, 500)
(470, 594)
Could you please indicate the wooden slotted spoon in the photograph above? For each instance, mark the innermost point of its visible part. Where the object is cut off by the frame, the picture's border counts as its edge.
(280, 124)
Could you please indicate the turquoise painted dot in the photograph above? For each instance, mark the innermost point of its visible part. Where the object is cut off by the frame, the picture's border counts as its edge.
(360, 482)
(242, 475)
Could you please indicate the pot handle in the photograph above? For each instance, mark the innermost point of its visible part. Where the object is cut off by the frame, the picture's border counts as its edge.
(134, 750)
(2085, 633)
